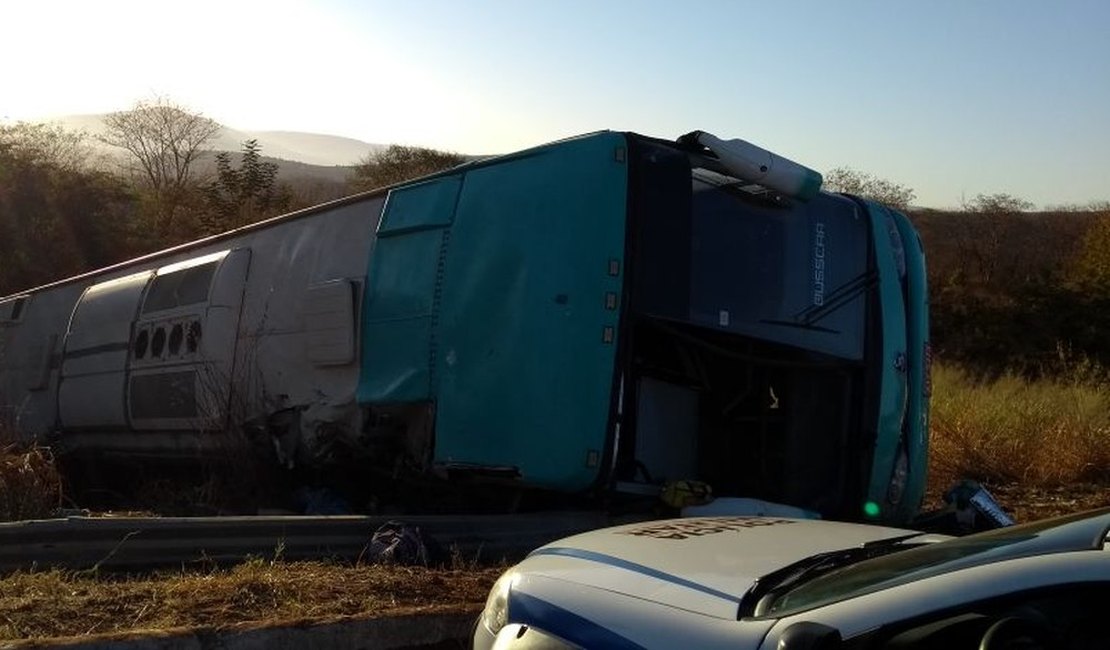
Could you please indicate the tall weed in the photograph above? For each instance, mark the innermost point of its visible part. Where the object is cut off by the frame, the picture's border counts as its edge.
(30, 484)
(1048, 432)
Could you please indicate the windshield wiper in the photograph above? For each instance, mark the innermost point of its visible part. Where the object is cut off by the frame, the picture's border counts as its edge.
(839, 297)
(768, 588)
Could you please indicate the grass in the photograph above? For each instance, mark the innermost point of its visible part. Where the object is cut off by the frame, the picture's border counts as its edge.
(1044, 434)
(55, 603)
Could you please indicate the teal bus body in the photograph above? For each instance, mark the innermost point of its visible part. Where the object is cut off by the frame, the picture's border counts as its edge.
(916, 429)
(904, 331)
(603, 315)
(488, 295)
(531, 269)
(530, 303)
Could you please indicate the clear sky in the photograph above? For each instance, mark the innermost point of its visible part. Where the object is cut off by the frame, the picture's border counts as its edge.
(950, 97)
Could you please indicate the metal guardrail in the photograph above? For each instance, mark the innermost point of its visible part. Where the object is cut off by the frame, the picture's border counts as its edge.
(140, 542)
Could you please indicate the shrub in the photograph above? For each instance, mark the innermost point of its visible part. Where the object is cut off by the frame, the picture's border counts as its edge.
(30, 484)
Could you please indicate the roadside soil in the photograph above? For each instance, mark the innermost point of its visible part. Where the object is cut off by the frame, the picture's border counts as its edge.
(52, 604)
(1030, 503)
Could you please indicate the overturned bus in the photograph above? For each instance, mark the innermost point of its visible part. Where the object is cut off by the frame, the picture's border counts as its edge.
(600, 314)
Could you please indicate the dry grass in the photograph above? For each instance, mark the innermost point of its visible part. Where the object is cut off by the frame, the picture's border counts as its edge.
(57, 603)
(30, 484)
(1042, 434)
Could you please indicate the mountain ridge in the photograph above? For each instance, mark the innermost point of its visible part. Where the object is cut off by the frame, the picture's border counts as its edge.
(297, 146)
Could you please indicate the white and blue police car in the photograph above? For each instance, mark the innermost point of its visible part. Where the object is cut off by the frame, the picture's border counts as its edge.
(780, 583)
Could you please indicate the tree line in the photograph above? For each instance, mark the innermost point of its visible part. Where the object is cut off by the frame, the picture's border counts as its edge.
(1020, 291)
(1011, 290)
(66, 209)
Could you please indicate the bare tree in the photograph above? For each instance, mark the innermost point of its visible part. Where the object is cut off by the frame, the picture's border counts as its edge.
(852, 181)
(164, 141)
(988, 223)
(399, 163)
(999, 203)
(47, 144)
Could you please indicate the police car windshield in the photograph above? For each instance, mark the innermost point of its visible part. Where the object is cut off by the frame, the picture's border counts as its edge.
(1084, 531)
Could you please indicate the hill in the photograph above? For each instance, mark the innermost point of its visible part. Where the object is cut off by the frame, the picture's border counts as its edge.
(309, 148)
(316, 166)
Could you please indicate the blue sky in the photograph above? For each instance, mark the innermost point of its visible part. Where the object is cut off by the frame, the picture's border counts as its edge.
(952, 98)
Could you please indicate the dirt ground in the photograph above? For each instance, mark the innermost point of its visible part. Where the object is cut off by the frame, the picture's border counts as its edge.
(1025, 503)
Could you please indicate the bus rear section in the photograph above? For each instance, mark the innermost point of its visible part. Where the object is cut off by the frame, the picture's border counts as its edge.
(764, 344)
(613, 312)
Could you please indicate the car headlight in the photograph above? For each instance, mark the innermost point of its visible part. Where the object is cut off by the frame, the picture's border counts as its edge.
(496, 613)
(899, 476)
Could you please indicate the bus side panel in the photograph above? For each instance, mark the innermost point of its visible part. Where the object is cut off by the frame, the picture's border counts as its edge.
(527, 332)
(282, 358)
(401, 292)
(30, 360)
(97, 347)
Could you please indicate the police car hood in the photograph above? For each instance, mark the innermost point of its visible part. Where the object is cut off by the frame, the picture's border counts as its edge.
(700, 564)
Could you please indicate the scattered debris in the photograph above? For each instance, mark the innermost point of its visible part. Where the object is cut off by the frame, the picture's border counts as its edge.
(969, 508)
(397, 543)
(976, 509)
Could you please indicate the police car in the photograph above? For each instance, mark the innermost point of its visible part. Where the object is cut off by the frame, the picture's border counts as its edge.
(767, 582)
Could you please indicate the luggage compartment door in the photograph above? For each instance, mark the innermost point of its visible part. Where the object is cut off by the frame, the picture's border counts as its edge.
(95, 354)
